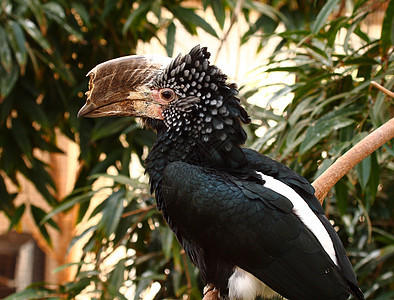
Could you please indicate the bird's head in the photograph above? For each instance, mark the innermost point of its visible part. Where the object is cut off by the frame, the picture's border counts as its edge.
(158, 88)
(186, 95)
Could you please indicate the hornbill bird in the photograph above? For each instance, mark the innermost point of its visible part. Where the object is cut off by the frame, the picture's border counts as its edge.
(250, 224)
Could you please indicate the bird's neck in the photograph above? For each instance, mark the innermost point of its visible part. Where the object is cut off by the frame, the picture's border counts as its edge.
(211, 138)
(170, 148)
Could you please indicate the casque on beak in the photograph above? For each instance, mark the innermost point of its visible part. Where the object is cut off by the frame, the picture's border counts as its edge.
(120, 87)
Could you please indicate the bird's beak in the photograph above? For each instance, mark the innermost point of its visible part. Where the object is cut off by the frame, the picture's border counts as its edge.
(120, 87)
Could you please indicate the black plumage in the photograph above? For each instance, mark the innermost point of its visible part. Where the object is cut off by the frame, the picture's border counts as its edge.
(224, 202)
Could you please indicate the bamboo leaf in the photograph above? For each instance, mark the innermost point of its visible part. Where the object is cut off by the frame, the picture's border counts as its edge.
(190, 19)
(219, 12)
(82, 12)
(387, 34)
(170, 39)
(112, 212)
(16, 217)
(5, 51)
(108, 128)
(142, 9)
(321, 129)
(21, 137)
(17, 42)
(341, 195)
(38, 214)
(65, 205)
(56, 13)
(323, 15)
(8, 80)
(363, 171)
(35, 34)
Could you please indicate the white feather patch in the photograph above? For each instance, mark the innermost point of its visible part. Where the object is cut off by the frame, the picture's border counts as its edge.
(244, 286)
(304, 212)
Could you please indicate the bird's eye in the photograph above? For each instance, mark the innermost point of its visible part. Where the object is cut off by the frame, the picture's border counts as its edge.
(167, 94)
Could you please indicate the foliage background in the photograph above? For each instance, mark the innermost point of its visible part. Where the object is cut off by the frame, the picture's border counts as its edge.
(47, 47)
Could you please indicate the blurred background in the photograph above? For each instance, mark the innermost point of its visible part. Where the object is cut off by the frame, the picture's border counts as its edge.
(76, 217)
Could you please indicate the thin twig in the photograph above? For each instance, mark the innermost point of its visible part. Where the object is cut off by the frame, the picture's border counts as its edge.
(382, 89)
(137, 211)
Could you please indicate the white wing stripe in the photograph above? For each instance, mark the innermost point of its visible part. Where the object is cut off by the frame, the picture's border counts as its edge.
(304, 212)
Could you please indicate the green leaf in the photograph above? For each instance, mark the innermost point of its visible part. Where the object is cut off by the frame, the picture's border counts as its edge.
(17, 42)
(341, 195)
(21, 137)
(323, 15)
(56, 13)
(387, 34)
(8, 80)
(112, 212)
(30, 293)
(65, 266)
(82, 12)
(190, 19)
(219, 12)
(77, 238)
(109, 127)
(359, 61)
(170, 39)
(374, 178)
(35, 113)
(38, 214)
(167, 237)
(36, 8)
(363, 171)
(117, 275)
(35, 34)
(142, 9)
(5, 51)
(321, 129)
(354, 26)
(16, 217)
(122, 179)
(65, 205)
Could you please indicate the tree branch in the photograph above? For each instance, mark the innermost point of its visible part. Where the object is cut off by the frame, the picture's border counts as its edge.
(356, 154)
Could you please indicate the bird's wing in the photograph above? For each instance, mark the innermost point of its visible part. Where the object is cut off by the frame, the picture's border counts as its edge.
(252, 227)
(286, 175)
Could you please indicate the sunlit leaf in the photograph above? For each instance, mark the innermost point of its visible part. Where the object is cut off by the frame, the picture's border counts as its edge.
(190, 19)
(219, 12)
(323, 15)
(65, 205)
